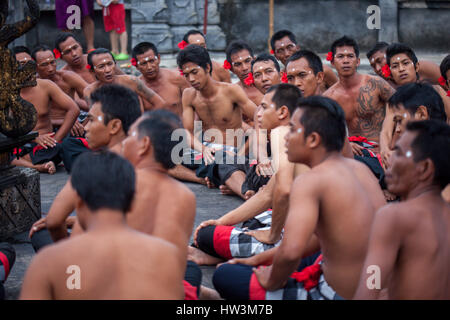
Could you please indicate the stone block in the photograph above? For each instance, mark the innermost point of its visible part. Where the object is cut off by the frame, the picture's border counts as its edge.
(215, 38)
(183, 12)
(150, 11)
(158, 34)
(178, 33)
(213, 11)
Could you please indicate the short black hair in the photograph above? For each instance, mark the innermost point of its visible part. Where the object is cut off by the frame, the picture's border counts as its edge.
(285, 95)
(104, 180)
(266, 57)
(345, 42)
(313, 60)
(445, 66)
(379, 46)
(414, 95)
(280, 35)
(96, 52)
(195, 54)
(237, 46)
(433, 142)
(63, 36)
(191, 32)
(326, 117)
(39, 48)
(118, 102)
(159, 125)
(397, 48)
(142, 48)
(20, 49)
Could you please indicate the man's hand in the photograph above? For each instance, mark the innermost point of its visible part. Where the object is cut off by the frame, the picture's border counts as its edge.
(252, 261)
(263, 236)
(385, 158)
(46, 140)
(356, 149)
(38, 225)
(202, 225)
(208, 156)
(263, 274)
(70, 222)
(77, 129)
(264, 169)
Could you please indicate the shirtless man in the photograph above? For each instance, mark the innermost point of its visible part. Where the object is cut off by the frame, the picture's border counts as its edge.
(165, 82)
(46, 151)
(198, 38)
(265, 72)
(219, 106)
(319, 204)
(410, 238)
(276, 108)
(428, 71)
(240, 57)
(363, 97)
(72, 53)
(102, 64)
(445, 73)
(121, 263)
(284, 45)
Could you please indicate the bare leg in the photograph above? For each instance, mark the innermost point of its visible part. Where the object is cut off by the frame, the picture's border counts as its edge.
(124, 43)
(114, 38)
(235, 182)
(182, 173)
(201, 258)
(88, 30)
(48, 167)
(208, 294)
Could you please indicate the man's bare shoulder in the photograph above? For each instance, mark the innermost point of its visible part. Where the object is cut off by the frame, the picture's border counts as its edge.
(68, 75)
(91, 87)
(189, 94)
(333, 90)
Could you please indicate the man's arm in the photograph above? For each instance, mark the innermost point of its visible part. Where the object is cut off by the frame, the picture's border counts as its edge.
(445, 100)
(238, 95)
(300, 225)
(63, 101)
(62, 207)
(148, 94)
(387, 129)
(329, 77)
(224, 75)
(384, 245)
(36, 284)
(76, 82)
(429, 71)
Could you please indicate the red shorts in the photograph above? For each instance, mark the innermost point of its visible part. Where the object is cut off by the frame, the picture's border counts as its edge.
(114, 18)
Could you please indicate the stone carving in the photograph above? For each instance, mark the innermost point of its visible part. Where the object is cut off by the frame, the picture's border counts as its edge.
(17, 116)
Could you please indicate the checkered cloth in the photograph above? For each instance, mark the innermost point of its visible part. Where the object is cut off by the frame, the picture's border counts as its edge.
(244, 246)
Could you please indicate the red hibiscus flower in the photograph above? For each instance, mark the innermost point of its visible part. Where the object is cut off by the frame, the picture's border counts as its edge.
(226, 65)
(272, 52)
(448, 93)
(386, 71)
(284, 78)
(181, 72)
(133, 62)
(330, 56)
(182, 44)
(88, 66)
(249, 80)
(442, 81)
(57, 53)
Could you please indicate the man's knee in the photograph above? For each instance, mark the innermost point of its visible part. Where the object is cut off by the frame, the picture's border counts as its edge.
(232, 281)
(205, 240)
(7, 259)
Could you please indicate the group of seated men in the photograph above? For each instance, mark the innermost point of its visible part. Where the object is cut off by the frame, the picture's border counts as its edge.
(315, 153)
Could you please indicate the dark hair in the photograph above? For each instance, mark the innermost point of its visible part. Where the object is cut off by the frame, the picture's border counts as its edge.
(237, 46)
(266, 57)
(20, 49)
(63, 36)
(326, 117)
(280, 35)
(345, 42)
(397, 48)
(104, 180)
(445, 66)
(285, 95)
(142, 48)
(159, 125)
(40, 48)
(433, 142)
(191, 32)
(118, 102)
(313, 60)
(195, 54)
(379, 46)
(96, 52)
(414, 95)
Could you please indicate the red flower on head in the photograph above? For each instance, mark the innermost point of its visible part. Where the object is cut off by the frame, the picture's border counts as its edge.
(284, 78)
(442, 81)
(386, 71)
(88, 66)
(272, 52)
(133, 62)
(182, 44)
(448, 93)
(181, 72)
(57, 53)
(330, 56)
(249, 80)
(226, 65)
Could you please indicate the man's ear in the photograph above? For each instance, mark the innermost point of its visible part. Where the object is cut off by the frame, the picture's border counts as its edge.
(313, 140)
(144, 146)
(320, 77)
(159, 59)
(421, 113)
(115, 126)
(426, 170)
(283, 113)
(417, 67)
(359, 61)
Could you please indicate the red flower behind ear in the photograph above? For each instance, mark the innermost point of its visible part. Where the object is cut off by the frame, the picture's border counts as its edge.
(226, 65)
(442, 81)
(272, 52)
(181, 72)
(386, 71)
(182, 44)
(330, 56)
(133, 62)
(284, 78)
(57, 53)
(249, 80)
(88, 66)
(448, 93)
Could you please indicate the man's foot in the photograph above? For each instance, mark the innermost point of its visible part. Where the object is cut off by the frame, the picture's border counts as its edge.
(389, 196)
(225, 190)
(201, 258)
(249, 194)
(209, 184)
(48, 167)
(208, 294)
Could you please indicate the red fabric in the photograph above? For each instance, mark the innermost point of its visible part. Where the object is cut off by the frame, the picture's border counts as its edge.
(190, 292)
(309, 275)
(84, 142)
(37, 148)
(5, 262)
(255, 290)
(114, 18)
(358, 139)
(221, 241)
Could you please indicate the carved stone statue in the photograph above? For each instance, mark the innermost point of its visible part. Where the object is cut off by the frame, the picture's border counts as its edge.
(17, 116)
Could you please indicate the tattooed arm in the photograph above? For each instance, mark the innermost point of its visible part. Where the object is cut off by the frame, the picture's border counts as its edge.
(148, 94)
(386, 92)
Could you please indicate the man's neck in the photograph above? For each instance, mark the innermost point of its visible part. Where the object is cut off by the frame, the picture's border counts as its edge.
(209, 89)
(149, 164)
(116, 141)
(106, 219)
(423, 189)
(156, 79)
(351, 81)
(321, 155)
